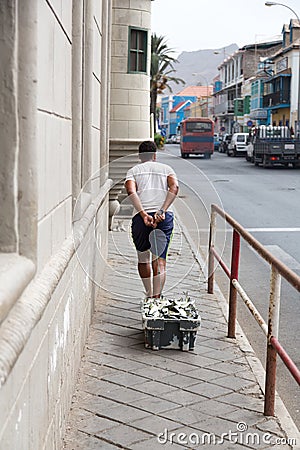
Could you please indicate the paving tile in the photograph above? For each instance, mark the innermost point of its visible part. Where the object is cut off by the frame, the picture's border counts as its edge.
(217, 426)
(186, 415)
(172, 365)
(233, 382)
(122, 413)
(209, 390)
(95, 370)
(204, 374)
(189, 358)
(96, 404)
(154, 388)
(124, 378)
(227, 367)
(244, 415)
(243, 401)
(124, 364)
(125, 395)
(112, 391)
(155, 424)
(153, 373)
(96, 386)
(123, 435)
(80, 441)
(155, 405)
(214, 408)
(203, 361)
(93, 424)
(178, 380)
(183, 398)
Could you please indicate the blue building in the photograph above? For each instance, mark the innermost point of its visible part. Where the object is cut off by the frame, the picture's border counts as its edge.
(173, 106)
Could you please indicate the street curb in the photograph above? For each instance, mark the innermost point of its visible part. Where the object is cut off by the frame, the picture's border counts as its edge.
(286, 421)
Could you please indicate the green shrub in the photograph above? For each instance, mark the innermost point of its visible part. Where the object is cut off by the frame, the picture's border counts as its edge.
(159, 140)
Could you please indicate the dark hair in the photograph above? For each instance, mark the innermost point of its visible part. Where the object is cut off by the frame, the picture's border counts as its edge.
(147, 147)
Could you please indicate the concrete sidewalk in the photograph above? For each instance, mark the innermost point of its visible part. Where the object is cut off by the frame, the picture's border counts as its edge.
(134, 398)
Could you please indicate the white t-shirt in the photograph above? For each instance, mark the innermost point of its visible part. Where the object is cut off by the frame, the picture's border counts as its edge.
(151, 182)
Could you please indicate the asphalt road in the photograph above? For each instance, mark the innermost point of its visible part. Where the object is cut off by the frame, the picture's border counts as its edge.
(267, 203)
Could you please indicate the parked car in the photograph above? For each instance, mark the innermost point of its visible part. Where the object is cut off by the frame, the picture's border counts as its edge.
(226, 138)
(238, 144)
(169, 140)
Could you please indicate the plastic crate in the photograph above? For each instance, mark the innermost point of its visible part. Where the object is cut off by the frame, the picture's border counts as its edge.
(170, 333)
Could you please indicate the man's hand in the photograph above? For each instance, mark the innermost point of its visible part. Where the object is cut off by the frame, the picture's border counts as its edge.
(159, 216)
(148, 220)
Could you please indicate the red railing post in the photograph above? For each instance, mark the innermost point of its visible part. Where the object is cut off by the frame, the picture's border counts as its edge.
(211, 257)
(273, 326)
(235, 257)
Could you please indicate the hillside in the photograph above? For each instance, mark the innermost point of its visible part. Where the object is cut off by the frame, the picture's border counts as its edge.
(204, 63)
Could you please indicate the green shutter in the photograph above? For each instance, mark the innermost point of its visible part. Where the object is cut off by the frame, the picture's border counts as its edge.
(247, 101)
(238, 107)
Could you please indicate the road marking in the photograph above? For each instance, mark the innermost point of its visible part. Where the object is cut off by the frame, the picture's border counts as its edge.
(250, 230)
(272, 230)
(283, 256)
(280, 254)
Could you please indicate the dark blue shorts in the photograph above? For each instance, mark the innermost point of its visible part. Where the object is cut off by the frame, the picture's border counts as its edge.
(157, 239)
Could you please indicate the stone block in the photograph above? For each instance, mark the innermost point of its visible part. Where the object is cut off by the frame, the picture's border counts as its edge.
(120, 97)
(17, 424)
(140, 98)
(97, 52)
(57, 228)
(119, 64)
(119, 129)
(119, 33)
(96, 104)
(45, 57)
(127, 17)
(128, 112)
(44, 247)
(41, 161)
(139, 130)
(38, 395)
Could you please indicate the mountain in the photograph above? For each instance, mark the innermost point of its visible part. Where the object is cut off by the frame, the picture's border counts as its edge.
(203, 63)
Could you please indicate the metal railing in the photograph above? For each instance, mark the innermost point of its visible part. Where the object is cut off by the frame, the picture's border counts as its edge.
(278, 270)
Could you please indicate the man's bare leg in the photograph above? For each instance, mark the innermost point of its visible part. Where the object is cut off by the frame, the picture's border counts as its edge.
(144, 269)
(159, 276)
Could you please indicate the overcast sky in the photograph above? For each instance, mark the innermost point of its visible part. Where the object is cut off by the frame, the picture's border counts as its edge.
(212, 24)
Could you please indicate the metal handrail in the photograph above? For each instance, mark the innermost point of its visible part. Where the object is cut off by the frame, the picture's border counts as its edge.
(278, 270)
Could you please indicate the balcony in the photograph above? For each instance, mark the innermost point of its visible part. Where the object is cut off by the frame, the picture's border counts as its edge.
(226, 107)
(277, 99)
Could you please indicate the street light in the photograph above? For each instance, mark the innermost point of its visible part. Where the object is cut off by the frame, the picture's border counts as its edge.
(206, 83)
(298, 96)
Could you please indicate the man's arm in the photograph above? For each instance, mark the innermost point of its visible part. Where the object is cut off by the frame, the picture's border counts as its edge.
(170, 197)
(130, 186)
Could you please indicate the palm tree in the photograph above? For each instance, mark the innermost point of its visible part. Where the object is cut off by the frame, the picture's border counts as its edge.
(161, 70)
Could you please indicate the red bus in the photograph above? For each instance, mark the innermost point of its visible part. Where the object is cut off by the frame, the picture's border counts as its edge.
(197, 137)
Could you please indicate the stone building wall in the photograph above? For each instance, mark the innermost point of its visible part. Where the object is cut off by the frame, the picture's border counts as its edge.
(54, 116)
